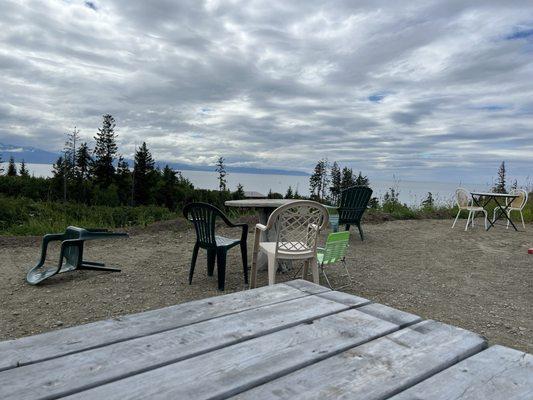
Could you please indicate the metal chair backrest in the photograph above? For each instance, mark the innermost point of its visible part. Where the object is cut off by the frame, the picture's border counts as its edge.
(353, 204)
(520, 201)
(297, 225)
(336, 246)
(462, 197)
(203, 216)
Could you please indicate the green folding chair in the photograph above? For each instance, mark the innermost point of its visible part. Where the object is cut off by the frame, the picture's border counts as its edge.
(334, 252)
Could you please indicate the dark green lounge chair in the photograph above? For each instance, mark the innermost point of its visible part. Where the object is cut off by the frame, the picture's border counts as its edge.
(352, 206)
(71, 253)
(204, 216)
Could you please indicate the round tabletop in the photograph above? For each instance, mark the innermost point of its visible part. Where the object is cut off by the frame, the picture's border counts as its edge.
(258, 203)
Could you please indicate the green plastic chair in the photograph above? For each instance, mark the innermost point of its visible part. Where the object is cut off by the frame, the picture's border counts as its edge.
(353, 204)
(71, 254)
(334, 252)
(203, 216)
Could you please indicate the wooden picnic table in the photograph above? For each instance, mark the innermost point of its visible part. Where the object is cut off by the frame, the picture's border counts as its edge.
(293, 340)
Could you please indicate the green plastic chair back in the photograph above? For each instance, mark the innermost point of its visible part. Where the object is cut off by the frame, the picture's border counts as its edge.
(335, 249)
(353, 204)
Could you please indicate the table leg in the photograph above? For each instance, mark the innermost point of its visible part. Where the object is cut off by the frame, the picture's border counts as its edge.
(503, 211)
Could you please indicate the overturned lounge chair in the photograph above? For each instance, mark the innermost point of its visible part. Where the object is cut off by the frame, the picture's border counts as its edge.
(71, 254)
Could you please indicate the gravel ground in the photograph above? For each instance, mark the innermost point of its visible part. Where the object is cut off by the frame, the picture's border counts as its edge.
(481, 281)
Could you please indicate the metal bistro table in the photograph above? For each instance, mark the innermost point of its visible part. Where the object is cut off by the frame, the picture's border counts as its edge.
(294, 340)
(264, 208)
(477, 196)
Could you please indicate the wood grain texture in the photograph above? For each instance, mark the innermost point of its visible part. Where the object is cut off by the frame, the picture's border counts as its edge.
(233, 369)
(345, 298)
(390, 314)
(69, 374)
(494, 374)
(378, 369)
(53, 344)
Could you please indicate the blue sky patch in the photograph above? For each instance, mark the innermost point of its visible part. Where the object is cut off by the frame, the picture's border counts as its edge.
(521, 34)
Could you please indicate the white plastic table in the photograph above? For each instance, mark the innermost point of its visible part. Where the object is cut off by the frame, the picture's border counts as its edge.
(293, 340)
(488, 196)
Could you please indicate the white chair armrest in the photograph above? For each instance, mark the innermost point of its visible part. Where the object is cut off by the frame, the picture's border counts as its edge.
(261, 227)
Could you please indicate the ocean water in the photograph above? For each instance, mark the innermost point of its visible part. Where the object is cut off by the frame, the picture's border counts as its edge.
(410, 192)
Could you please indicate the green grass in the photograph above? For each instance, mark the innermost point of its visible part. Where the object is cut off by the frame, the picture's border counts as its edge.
(22, 216)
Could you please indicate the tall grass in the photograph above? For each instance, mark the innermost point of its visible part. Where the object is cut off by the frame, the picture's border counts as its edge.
(22, 216)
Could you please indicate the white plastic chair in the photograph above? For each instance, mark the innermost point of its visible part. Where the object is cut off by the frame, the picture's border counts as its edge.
(296, 226)
(464, 202)
(517, 204)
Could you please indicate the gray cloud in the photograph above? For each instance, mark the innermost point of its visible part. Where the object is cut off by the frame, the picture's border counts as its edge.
(433, 89)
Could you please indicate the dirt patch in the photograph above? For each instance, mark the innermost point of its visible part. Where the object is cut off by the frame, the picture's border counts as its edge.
(481, 281)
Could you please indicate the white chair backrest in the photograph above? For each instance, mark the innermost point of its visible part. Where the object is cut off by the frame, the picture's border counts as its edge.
(520, 201)
(462, 197)
(297, 225)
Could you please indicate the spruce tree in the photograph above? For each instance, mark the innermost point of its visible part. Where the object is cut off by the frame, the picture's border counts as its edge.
(336, 180)
(83, 161)
(123, 180)
(221, 169)
(361, 180)
(289, 194)
(238, 194)
(501, 181)
(347, 179)
(143, 175)
(104, 152)
(319, 180)
(167, 192)
(1, 165)
(23, 170)
(11, 167)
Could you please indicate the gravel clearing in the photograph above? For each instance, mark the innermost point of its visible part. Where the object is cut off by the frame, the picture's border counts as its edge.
(481, 281)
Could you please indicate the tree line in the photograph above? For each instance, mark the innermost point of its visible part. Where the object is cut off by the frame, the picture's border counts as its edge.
(102, 176)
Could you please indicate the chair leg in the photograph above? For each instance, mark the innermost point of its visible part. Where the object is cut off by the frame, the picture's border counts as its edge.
(244, 254)
(468, 220)
(314, 270)
(211, 257)
(271, 269)
(522, 216)
(193, 261)
(508, 217)
(486, 218)
(456, 218)
(305, 270)
(326, 277)
(361, 232)
(221, 267)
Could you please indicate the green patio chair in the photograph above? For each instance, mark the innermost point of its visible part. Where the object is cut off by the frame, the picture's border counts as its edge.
(334, 252)
(71, 253)
(204, 216)
(353, 204)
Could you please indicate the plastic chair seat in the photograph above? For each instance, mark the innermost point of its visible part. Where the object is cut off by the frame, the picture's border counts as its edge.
(222, 241)
(301, 250)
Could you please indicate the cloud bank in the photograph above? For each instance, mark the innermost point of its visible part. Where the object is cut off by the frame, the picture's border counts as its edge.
(420, 89)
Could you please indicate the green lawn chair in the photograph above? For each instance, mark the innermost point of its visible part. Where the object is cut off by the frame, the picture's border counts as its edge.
(334, 252)
(353, 204)
(203, 216)
(71, 253)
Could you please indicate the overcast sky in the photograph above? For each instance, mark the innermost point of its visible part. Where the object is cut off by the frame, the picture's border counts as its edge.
(437, 90)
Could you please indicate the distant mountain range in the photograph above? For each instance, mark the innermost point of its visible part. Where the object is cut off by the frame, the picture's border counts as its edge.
(33, 155)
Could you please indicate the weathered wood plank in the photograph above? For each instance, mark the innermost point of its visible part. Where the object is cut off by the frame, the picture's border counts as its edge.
(230, 370)
(307, 287)
(345, 298)
(378, 369)
(53, 344)
(390, 314)
(494, 374)
(69, 374)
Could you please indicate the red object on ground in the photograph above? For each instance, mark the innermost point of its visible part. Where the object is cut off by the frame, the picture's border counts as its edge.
(530, 251)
